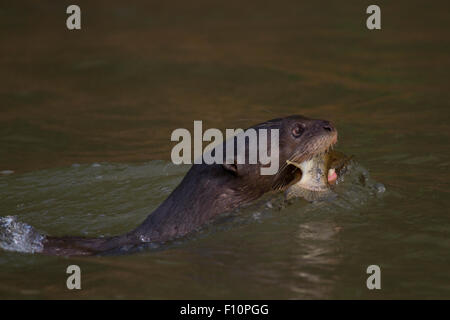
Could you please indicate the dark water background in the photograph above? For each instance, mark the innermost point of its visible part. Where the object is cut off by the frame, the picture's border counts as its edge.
(112, 93)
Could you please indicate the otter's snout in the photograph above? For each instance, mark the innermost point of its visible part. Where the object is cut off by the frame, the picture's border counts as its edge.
(328, 130)
(328, 126)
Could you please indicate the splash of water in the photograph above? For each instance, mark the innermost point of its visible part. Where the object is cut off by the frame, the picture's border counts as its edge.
(19, 236)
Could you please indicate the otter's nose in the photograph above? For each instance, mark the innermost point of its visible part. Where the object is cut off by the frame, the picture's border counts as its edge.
(327, 126)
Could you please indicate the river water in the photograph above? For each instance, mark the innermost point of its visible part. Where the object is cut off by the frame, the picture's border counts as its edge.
(86, 118)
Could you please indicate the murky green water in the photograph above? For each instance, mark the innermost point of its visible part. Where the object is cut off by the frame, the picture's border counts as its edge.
(107, 98)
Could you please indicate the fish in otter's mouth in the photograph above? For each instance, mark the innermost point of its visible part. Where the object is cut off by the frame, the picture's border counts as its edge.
(318, 174)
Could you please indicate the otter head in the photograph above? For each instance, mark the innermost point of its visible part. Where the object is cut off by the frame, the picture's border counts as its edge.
(303, 142)
(300, 139)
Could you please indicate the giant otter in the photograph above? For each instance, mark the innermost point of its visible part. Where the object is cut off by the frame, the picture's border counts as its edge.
(209, 190)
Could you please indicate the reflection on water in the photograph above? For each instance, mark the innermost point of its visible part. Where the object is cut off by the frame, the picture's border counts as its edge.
(83, 114)
(317, 249)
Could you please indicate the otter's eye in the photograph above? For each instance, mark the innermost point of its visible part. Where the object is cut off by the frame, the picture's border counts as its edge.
(297, 131)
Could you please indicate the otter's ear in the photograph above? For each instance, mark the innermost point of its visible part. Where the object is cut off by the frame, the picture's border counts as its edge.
(232, 167)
